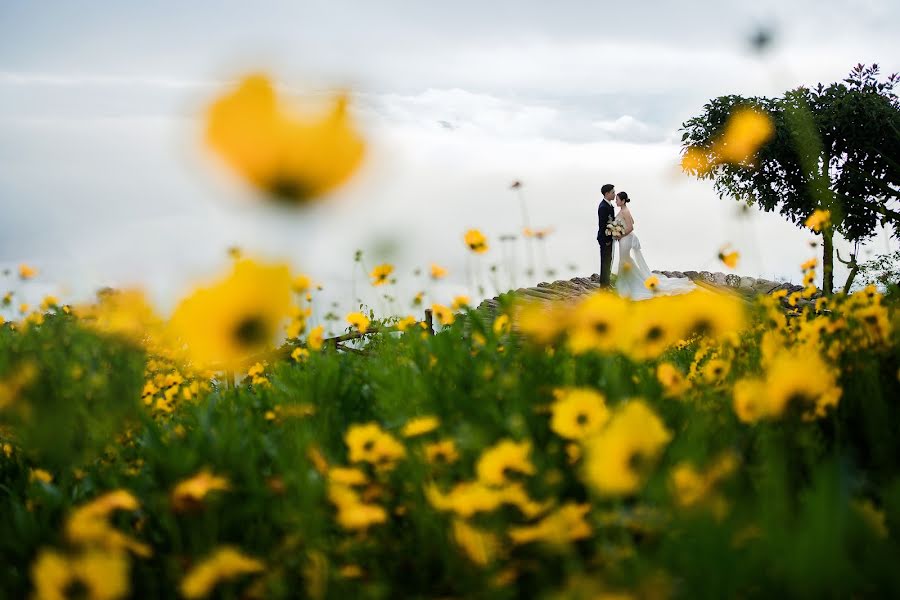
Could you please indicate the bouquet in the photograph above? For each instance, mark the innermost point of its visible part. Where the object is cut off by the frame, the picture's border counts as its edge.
(615, 228)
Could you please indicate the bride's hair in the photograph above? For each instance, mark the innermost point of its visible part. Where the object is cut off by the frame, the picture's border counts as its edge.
(623, 197)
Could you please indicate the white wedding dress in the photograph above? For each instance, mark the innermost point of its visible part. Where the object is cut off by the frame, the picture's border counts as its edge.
(633, 272)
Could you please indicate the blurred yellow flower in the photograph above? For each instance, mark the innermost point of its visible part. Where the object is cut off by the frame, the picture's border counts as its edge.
(476, 241)
(619, 458)
(369, 443)
(578, 413)
(316, 339)
(480, 546)
(299, 354)
(291, 158)
(420, 426)
(596, 323)
(810, 264)
(302, 283)
(441, 452)
(26, 271)
(715, 370)
(358, 321)
(673, 381)
(729, 257)
(818, 220)
(501, 325)
(564, 525)
(191, 492)
(796, 379)
(227, 321)
(443, 314)
(406, 322)
(97, 575)
(224, 564)
(89, 524)
(347, 476)
(503, 458)
(459, 303)
(704, 314)
(746, 131)
(437, 271)
(353, 512)
(40, 475)
(381, 273)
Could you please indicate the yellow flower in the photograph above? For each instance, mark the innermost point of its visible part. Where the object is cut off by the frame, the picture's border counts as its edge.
(353, 513)
(437, 271)
(501, 325)
(316, 340)
(801, 380)
(471, 497)
(704, 314)
(98, 575)
(578, 413)
(40, 475)
(476, 241)
(673, 381)
(441, 452)
(299, 354)
(420, 426)
(347, 476)
(381, 273)
(746, 131)
(651, 283)
(618, 459)
(480, 546)
(459, 303)
(236, 317)
(818, 220)
(224, 564)
(696, 160)
(26, 271)
(406, 322)
(563, 525)
(369, 443)
(190, 492)
(810, 264)
(749, 400)
(729, 258)
(443, 314)
(872, 516)
(358, 321)
(652, 329)
(596, 323)
(301, 283)
(541, 321)
(89, 524)
(498, 461)
(715, 370)
(290, 158)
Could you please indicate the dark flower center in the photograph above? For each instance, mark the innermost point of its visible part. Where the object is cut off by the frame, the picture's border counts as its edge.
(368, 445)
(251, 331)
(702, 327)
(289, 189)
(581, 419)
(654, 333)
(601, 327)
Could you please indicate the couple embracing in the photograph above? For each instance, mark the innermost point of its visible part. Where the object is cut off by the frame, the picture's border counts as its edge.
(616, 229)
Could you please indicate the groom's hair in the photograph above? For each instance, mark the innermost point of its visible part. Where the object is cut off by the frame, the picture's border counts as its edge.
(606, 188)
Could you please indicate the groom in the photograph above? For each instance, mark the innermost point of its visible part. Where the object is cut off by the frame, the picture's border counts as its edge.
(605, 212)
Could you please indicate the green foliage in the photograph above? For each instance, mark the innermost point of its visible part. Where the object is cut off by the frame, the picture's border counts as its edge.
(790, 529)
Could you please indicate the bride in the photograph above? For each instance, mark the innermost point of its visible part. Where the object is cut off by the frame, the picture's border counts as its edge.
(633, 271)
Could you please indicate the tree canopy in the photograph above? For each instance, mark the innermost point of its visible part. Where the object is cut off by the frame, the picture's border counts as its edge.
(834, 148)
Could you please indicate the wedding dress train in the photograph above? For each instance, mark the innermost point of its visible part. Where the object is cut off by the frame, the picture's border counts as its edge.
(633, 271)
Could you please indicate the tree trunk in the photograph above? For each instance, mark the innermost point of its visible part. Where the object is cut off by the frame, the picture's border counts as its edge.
(828, 260)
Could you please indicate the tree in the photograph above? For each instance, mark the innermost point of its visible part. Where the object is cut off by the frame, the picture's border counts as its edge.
(834, 148)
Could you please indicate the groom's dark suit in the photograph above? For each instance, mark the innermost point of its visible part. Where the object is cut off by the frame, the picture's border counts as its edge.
(605, 212)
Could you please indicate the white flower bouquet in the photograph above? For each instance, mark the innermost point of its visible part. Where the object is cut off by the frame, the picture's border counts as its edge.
(615, 228)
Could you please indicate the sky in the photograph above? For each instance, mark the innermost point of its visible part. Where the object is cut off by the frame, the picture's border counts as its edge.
(104, 178)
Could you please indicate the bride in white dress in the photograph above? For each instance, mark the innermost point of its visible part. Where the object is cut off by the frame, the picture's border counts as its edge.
(633, 270)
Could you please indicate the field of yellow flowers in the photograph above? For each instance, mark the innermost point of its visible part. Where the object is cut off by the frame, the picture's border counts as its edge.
(701, 445)
(696, 445)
